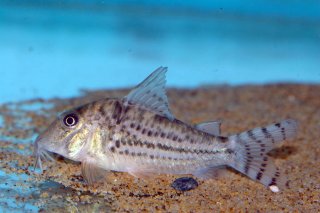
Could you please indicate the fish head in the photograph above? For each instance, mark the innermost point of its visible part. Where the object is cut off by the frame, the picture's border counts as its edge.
(66, 136)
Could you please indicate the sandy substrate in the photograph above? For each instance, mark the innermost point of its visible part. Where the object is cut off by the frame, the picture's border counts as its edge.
(61, 187)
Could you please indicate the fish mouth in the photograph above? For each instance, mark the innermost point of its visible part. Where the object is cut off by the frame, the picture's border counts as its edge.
(40, 153)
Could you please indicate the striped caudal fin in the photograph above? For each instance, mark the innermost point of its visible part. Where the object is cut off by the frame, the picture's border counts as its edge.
(251, 148)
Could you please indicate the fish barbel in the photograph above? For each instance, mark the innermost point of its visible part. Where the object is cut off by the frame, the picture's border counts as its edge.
(138, 134)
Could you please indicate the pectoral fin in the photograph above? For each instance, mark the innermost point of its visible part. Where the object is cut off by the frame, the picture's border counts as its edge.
(141, 173)
(91, 173)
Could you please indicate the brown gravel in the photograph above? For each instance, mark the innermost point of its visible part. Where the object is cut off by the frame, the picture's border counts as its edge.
(240, 108)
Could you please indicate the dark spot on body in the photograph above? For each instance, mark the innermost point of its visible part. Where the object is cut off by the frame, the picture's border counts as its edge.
(273, 182)
(117, 143)
(150, 145)
(102, 111)
(229, 151)
(251, 135)
(159, 118)
(283, 133)
(222, 139)
(266, 133)
(246, 168)
(160, 146)
(259, 175)
(123, 142)
(117, 111)
(127, 109)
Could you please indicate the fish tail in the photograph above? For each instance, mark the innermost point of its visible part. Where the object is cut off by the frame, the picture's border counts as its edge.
(251, 148)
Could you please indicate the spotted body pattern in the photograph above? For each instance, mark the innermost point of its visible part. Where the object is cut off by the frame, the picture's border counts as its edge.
(138, 134)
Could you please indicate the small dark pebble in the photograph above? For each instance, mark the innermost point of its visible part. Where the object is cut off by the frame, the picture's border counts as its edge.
(184, 184)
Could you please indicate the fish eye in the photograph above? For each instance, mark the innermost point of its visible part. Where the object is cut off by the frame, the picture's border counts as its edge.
(70, 120)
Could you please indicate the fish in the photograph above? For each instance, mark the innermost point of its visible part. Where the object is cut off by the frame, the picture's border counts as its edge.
(138, 134)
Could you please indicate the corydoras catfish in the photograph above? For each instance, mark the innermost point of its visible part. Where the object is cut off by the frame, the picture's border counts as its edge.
(138, 134)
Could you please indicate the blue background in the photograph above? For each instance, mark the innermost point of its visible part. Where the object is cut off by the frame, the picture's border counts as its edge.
(52, 48)
(55, 48)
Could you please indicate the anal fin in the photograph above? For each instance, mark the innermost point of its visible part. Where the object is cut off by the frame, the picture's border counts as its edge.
(211, 172)
(91, 173)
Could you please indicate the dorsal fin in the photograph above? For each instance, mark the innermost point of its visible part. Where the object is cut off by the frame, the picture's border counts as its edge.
(212, 127)
(151, 94)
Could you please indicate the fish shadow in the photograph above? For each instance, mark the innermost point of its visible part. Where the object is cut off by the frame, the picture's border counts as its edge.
(283, 152)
